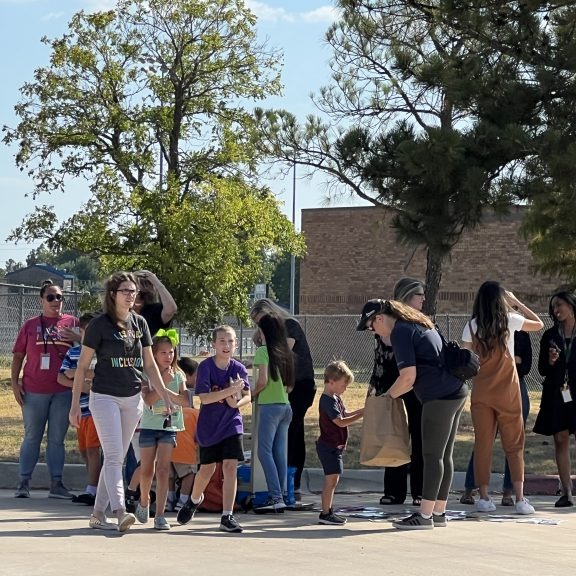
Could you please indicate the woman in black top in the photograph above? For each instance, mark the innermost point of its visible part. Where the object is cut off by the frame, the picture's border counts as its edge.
(302, 395)
(409, 291)
(154, 302)
(557, 363)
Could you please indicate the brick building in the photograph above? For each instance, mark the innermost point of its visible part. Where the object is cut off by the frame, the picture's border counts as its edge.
(353, 255)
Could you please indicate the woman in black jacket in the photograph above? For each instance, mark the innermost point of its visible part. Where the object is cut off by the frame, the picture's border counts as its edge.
(557, 363)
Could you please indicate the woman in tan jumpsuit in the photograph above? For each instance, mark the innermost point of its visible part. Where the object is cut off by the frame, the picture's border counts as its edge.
(495, 399)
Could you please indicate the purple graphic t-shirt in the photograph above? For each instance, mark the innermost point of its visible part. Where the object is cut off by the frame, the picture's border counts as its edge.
(218, 420)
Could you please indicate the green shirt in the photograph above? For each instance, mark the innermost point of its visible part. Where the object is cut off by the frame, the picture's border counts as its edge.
(274, 393)
(153, 417)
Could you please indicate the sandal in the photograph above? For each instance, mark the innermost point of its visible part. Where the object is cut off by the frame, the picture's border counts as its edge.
(416, 501)
(390, 501)
(467, 499)
(507, 501)
(564, 502)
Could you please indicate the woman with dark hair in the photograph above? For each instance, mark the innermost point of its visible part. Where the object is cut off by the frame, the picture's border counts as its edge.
(409, 291)
(417, 348)
(154, 302)
(43, 341)
(302, 395)
(557, 363)
(495, 401)
(275, 380)
(123, 346)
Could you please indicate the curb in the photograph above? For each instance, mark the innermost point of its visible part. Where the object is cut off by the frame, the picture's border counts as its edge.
(351, 482)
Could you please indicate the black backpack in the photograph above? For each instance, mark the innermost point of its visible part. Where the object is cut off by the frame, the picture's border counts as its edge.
(460, 362)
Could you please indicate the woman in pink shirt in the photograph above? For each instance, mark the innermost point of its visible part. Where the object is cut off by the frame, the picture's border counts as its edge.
(43, 342)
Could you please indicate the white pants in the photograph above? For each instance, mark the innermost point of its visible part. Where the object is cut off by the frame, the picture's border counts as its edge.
(115, 419)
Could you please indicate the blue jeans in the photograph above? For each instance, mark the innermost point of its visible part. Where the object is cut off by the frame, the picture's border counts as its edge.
(37, 411)
(273, 423)
(469, 483)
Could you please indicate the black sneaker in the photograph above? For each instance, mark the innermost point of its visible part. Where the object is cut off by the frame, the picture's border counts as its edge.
(85, 498)
(229, 524)
(439, 520)
(131, 499)
(275, 505)
(22, 491)
(331, 519)
(186, 513)
(414, 522)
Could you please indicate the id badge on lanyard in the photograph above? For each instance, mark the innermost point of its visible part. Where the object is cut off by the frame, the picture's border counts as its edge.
(45, 361)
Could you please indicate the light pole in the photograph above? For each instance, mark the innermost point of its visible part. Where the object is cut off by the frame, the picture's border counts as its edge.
(292, 257)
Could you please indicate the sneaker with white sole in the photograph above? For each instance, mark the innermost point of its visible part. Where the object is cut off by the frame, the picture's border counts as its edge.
(331, 519)
(125, 521)
(485, 505)
(414, 522)
(186, 513)
(524, 507)
(160, 523)
(229, 524)
(97, 524)
(439, 520)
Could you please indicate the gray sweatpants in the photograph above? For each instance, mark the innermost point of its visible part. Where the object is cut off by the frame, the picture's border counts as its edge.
(440, 419)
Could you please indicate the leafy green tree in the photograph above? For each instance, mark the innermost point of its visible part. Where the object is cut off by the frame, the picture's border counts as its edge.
(148, 103)
(427, 115)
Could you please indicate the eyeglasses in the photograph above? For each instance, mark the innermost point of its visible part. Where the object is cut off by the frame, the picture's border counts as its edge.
(127, 292)
(167, 421)
(52, 297)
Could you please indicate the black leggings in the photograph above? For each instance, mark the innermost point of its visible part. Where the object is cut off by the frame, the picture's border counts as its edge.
(301, 399)
(396, 479)
(440, 419)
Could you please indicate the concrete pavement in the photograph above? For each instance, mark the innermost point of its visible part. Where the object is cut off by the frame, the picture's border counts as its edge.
(44, 537)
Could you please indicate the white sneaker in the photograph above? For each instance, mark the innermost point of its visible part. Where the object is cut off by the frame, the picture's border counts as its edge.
(524, 507)
(485, 505)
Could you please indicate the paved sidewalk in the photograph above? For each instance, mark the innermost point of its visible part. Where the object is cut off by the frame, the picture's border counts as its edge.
(44, 537)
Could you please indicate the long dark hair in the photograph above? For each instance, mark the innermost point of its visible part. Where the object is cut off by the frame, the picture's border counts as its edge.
(565, 296)
(110, 287)
(281, 361)
(491, 313)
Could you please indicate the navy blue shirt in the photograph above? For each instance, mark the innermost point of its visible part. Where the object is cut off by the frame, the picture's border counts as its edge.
(421, 347)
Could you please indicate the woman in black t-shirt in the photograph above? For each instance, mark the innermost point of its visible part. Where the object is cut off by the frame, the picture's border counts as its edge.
(121, 341)
(154, 302)
(302, 395)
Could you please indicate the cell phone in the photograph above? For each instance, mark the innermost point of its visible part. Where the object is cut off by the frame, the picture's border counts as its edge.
(554, 346)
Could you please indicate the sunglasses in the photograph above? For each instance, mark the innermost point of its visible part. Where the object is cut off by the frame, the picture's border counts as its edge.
(127, 292)
(167, 421)
(52, 297)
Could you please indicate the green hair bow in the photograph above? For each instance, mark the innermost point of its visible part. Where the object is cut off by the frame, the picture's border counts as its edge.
(171, 334)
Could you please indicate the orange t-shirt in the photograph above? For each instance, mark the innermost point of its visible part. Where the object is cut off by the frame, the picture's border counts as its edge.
(186, 451)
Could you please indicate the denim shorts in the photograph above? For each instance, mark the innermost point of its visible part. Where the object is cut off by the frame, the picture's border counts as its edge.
(151, 438)
(330, 458)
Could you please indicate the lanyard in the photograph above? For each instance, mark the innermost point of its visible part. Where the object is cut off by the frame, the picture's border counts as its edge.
(567, 349)
(45, 333)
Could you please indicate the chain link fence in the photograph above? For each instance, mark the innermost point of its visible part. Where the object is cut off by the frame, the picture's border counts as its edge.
(329, 337)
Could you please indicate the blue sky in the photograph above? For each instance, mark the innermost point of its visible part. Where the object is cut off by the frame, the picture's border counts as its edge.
(295, 26)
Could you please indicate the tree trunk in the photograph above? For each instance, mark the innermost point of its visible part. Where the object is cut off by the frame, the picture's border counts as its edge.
(434, 263)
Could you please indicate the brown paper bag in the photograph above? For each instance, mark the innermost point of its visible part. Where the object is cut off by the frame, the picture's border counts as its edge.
(385, 439)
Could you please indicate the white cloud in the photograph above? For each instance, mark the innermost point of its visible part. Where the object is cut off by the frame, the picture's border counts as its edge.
(324, 14)
(264, 12)
(269, 13)
(51, 16)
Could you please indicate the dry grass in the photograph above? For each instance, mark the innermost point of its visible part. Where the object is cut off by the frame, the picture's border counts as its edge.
(539, 449)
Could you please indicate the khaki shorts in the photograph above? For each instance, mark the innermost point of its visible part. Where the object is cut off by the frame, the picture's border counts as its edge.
(179, 470)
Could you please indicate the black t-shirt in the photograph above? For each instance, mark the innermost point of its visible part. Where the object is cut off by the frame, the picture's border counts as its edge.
(119, 368)
(152, 313)
(330, 408)
(385, 371)
(303, 367)
(421, 347)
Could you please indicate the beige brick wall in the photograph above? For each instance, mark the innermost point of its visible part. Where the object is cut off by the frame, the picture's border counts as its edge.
(353, 255)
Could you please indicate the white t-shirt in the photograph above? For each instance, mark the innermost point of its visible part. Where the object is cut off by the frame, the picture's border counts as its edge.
(515, 323)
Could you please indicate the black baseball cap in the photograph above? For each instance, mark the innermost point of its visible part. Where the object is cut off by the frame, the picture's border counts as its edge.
(371, 308)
